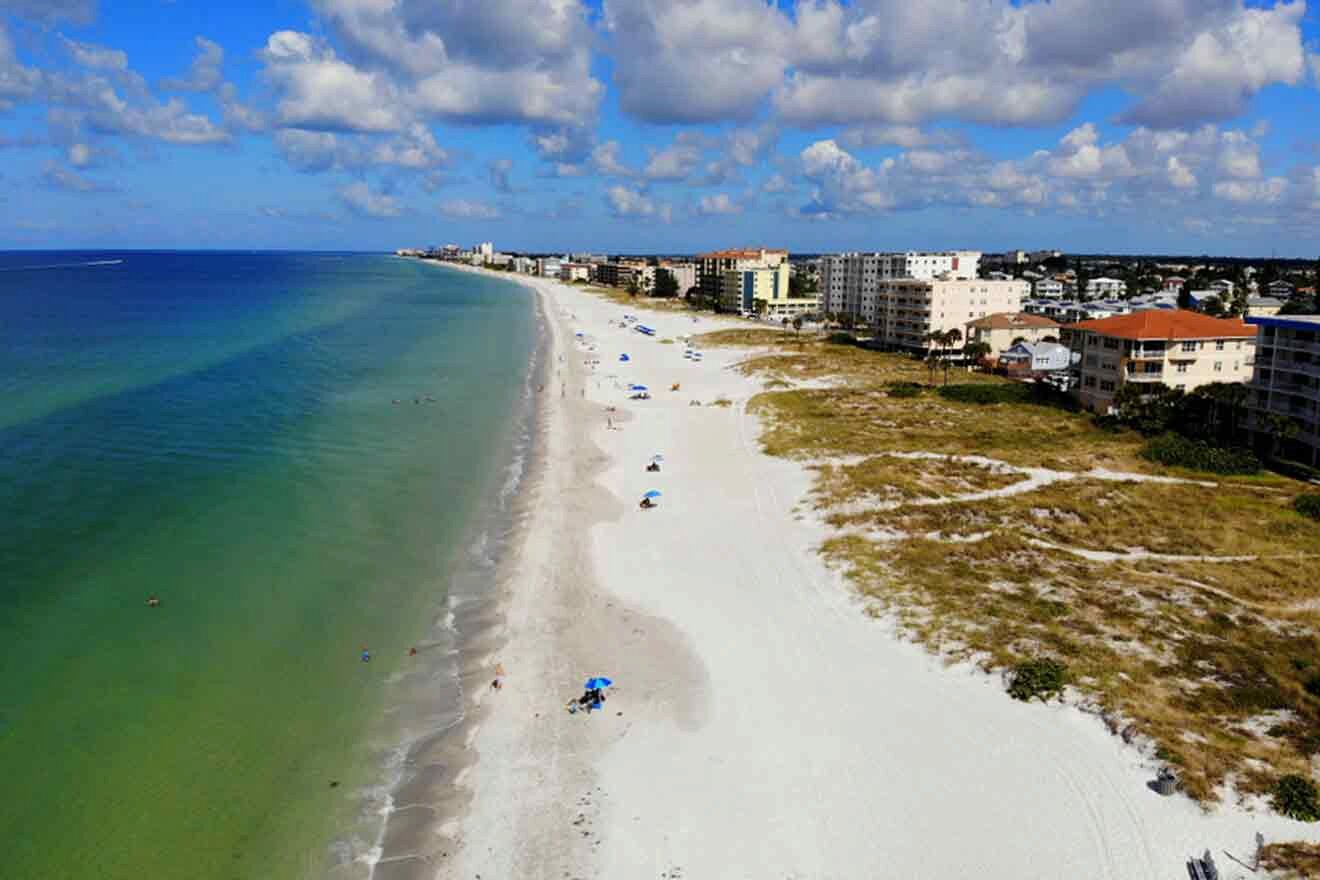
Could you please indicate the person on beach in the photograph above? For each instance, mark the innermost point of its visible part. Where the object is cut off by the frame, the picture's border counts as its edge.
(647, 504)
(366, 655)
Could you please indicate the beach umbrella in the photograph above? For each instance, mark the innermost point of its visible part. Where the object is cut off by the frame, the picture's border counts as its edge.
(624, 358)
(657, 458)
(638, 388)
(593, 683)
(652, 494)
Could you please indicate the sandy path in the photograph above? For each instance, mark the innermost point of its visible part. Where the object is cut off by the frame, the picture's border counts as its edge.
(769, 729)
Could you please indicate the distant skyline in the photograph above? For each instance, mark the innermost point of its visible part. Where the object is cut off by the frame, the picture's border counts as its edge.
(1128, 126)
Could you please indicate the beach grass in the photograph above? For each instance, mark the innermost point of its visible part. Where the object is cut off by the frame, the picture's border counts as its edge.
(640, 302)
(1209, 659)
(1291, 861)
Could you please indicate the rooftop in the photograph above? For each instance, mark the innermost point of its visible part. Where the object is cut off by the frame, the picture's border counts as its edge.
(739, 254)
(1012, 321)
(1171, 324)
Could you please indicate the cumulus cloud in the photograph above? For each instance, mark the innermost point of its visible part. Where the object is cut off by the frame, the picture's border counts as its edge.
(318, 90)
(17, 83)
(899, 63)
(463, 209)
(718, 204)
(694, 60)
(677, 161)
(360, 199)
(415, 149)
(524, 61)
(205, 73)
(626, 203)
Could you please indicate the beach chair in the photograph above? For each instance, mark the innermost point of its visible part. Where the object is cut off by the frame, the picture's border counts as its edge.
(1203, 868)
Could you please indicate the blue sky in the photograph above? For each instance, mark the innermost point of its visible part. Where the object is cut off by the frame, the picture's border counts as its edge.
(662, 125)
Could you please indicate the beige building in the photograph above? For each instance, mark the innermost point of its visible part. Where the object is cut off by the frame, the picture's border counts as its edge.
(1178, 348)
(1286, 382)
(1004, 330)
(762, 291)
(846, 280)
(622, 273)
(685, 275)
(904, 310)
(712, 266)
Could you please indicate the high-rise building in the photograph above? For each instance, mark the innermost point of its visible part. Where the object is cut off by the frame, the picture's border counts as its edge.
(847, 280)
(713, 265)
(904, 311)
(1286, 383)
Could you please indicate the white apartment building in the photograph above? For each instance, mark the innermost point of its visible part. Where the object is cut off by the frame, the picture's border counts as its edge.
(846, 280)
(1105, 287)
(903, 311)
(1286, 382)
(685, 274)
(1180, 349)
(1048, 288)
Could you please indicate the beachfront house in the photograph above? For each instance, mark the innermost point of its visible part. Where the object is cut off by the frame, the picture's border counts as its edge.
(1035, 358)
(1179, 348)
(1003, 330)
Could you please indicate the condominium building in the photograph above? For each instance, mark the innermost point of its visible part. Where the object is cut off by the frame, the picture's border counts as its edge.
(1106, 287)
(1178, 348)
(1002, 331)
(904, 310)
(575, 272)
(1286, 382)
(622, 273)
(847, 279)
(713, 265)
(763, 291)
(684, 274)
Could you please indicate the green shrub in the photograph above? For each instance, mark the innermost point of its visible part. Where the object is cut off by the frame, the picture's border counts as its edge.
(1296, 797)
(1308, 505)
(1313, 686)
(1197, 455)
(904, 389)
(840, 338)
(1043, 678)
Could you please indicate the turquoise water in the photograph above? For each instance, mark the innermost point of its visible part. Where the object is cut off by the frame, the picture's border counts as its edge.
(220, 431)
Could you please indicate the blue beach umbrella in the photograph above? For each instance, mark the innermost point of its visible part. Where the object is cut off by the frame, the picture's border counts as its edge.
(593, 683)
(652, 494)
(637, 388)
(624, 358)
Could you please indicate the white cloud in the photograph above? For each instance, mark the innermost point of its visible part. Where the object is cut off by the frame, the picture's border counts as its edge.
(694, 60)
(462, 209)
(718, 204)
(776, 183)
(499, 170)
(1252, 191)
(95, 57)
(629, 203)
(415, 149)
(76, 11)
(605, 160)
(677, 161)
(1180, 175)
(360, 199)
(318, 90)
(910, 136)
(205, 73)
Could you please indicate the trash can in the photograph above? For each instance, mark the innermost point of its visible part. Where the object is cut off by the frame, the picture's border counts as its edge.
(1166, 783)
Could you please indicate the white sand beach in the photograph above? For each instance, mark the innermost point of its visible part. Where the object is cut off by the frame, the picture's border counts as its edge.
(762, 725)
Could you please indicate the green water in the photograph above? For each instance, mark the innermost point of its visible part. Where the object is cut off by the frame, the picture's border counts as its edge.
(220, 431)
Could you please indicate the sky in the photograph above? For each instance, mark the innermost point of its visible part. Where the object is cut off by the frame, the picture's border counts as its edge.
(662, 126)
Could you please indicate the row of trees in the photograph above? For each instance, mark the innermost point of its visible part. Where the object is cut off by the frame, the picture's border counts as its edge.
(1216, 413)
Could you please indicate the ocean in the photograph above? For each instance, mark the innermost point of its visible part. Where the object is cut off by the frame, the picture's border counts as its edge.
(301, 456)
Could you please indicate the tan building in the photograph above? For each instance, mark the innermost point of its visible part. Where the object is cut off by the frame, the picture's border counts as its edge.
(622, 273)
(904, 310)
(1004, 330)
(712, 266)
(1178, 348)
(684, 274)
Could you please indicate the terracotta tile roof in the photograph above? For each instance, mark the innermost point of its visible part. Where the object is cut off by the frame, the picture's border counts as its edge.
(738, 254)
(1011, 321)
(1167, 324)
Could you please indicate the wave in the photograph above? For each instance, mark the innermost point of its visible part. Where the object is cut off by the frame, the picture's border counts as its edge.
(61, 266)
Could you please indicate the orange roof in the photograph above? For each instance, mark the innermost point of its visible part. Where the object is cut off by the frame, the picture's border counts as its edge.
(1011, 321)
(1165, 324)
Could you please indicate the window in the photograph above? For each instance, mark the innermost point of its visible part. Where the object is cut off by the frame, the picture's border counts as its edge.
(1219, 366)
(1090, 382)
(1090, 360)
(1189, 346)
(1182, 368)
(1219, 345)
(1181, 387)
(1111, 343)
(1236, 365)
(1107, 385)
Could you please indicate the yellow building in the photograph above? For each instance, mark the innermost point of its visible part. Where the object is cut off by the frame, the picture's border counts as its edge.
(762, 291)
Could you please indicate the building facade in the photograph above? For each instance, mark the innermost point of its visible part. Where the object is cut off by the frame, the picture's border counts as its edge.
(763, 291)
(1002, 331)
(622, 273)
(903, 311)
(1180, 349)
(847, 280)
(1286, 383)
(713, 265)
(1105, 287)
(684, 275)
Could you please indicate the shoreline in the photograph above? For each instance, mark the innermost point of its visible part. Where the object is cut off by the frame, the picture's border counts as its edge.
(769, 727)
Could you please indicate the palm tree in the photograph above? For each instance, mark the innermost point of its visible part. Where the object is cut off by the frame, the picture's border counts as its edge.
(976, 351)
(797, 325)
(1280, 428)
(785, 322)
